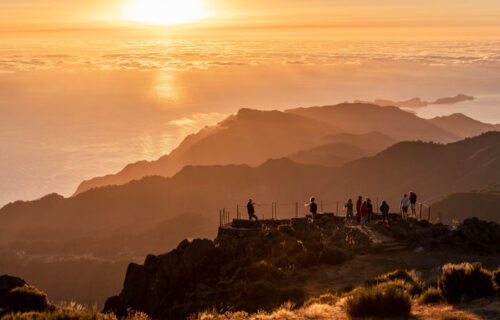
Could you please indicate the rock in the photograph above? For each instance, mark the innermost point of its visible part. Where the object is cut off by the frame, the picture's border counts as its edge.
(8, 283)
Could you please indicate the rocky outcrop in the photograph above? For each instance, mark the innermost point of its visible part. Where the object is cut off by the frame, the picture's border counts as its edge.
(471, 235)
(17, 296)
(242, 269)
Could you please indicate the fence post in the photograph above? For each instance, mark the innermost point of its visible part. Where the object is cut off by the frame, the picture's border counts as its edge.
(296, 209)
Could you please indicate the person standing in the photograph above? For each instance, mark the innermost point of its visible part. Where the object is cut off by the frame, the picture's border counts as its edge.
(384, 208)
(358, 208)
(349, 216)
(251, 211)
(364, 214)
(413, 204)
(313, 207)
(405, 203)
(369, 205)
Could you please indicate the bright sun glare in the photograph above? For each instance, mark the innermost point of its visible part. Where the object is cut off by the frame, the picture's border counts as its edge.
(166, 12)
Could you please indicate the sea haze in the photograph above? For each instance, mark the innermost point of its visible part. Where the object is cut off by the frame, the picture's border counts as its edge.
(69, 114)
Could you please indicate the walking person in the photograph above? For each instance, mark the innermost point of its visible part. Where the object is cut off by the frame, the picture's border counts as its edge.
(369, 205)
(349, 216)
(251, 211)
(358, 208)
(405, 203)
(384, 208)
(313, 207)
(363, 213)
(413, 204)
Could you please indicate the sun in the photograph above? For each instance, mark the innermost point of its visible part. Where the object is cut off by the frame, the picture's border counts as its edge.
(166, 12)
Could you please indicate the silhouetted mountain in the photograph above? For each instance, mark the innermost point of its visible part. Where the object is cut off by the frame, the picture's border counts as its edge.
(463, 126)
(251, 137)
(361, 118)
(247, 137)
(342, 148)
(484, 202)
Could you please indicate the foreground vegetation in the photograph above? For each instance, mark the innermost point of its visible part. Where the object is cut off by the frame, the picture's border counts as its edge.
(393, 295)
(397, 294)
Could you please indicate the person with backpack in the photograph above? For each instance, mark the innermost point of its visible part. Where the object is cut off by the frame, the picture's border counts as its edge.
(364, 214)
(313, 207)
(413, 204)
(358, 208)
(349, 216)
(384, 208)
(251, 211)
(405, 203)
(369, 205)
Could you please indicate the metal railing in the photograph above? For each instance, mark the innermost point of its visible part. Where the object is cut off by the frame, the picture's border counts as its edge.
(295, 209)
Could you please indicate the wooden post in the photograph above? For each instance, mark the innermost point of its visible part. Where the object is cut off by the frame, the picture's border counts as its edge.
(296, 209)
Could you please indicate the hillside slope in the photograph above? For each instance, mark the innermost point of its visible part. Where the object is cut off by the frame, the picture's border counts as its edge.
(342, 148)
(364, 118)
(463, 126)
(484, 202)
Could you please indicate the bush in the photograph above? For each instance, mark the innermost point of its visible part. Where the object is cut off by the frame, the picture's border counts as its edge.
(27, 298)
(465, 281)
(383, 300)
(70, 314)
(431, 295)
(409, 282)
(328, 299)
(496, 277)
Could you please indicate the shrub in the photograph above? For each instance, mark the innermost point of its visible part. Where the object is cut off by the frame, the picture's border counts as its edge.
(27, 298)
(410, 283)
(496, 277)
(328, 298)
(70, 314)
(383, 300)
(465, 281)
(431, 295)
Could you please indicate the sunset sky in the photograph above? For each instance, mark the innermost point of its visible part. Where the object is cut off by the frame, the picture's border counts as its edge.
(87, 87)
(478, 18)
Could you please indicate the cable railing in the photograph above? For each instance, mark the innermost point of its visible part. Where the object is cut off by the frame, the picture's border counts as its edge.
(273, 210)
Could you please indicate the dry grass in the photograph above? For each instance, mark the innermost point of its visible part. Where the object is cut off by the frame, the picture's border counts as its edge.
(482, 309)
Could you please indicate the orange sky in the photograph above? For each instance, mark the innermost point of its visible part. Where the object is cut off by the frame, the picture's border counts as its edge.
(478, 18)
